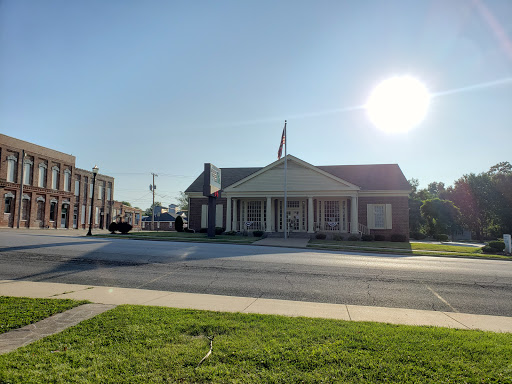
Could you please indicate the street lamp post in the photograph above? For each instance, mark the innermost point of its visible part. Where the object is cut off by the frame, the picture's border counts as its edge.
(94, 172)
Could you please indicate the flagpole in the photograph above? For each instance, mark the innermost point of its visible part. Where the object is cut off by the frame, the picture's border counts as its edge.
(285, 184)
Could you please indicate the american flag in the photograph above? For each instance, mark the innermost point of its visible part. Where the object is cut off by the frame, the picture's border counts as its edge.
(283, 142)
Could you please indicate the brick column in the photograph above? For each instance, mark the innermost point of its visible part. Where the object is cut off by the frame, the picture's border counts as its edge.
(228, 214)
(354, 221)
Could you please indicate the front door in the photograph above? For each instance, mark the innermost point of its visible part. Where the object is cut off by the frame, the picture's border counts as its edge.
(75, 217)
(64, 216)
(294, 219)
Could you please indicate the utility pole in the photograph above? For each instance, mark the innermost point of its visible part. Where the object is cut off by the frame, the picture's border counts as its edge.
(152, 187)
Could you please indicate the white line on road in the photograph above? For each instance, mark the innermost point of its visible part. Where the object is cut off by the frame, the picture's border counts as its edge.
(440, 298)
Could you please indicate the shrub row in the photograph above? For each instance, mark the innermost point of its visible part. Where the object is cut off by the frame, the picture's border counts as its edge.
(396, 237)
(121, 227)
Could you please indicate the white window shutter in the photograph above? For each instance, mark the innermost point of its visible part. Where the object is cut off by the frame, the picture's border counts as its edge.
(370, 216)
(389, 217)
(204, 216)
(218, 215)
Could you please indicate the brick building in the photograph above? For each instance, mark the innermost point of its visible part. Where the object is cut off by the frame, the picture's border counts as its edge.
(42, 188)
(343, 199)
(124, 213)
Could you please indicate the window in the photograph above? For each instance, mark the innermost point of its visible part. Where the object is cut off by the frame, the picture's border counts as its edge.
(77, 187)
(53, 210)
(8, 204)
(97, 215)
(55, 177)
(40, 210)
(27, 172)
(109, 191)
(90, 189)
(137, 218)
(254, 211)
(86, 186)
(67, 180)
(379, 216)
(100, 192)
(42, 175)
(25, 209)
(11, 168)
(82, 215)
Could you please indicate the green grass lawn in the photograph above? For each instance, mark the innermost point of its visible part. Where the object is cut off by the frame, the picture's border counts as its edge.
(134, 344)
(16, 312)
(405, 248)
(182, 236)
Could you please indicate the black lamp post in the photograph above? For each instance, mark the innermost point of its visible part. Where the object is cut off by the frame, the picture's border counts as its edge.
(94, 172)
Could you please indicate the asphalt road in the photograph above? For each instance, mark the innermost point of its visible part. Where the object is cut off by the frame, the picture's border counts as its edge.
(418, 282)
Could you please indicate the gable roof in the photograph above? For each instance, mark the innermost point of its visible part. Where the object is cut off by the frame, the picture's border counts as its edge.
(369, 177)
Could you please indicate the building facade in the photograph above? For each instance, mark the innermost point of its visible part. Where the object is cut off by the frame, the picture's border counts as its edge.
(125, 213)
(343, 199)
(42, 188)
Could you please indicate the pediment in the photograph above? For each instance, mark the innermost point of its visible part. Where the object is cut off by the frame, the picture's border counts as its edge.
(300, 175)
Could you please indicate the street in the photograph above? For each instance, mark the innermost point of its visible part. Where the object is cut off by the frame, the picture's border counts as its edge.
(475, 286)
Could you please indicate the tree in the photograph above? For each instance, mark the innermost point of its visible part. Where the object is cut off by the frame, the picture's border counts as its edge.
(149, 211)
(179, 224)
(416, 221)
(126, 203)
(183, 201)
(442, 216)
(436, 189)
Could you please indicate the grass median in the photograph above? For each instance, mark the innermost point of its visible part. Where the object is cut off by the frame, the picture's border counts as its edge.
(16, 312)
(405, 248)
(158, 345)
(182, 236)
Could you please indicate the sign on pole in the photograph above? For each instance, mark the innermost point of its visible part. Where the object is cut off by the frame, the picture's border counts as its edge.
(211, 189)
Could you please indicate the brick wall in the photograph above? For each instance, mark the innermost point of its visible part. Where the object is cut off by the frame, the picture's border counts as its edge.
(400, 214)
(194, 214)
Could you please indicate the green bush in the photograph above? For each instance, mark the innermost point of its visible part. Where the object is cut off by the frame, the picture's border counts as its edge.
(380, 238)
(112, 227)
(337, 237)
(203, 230)
(124, 227)
(178, 224)
(497, 245)
(219, 230)
(321, 236)
(488, 249)
(367, 238)
(230, 233)
(258, 233)
(353, 238)
(398, 238)
(418, 235)
(441, 237)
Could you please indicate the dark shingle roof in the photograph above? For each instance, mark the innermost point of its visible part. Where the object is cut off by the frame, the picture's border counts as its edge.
(369, 177)
(163, 217)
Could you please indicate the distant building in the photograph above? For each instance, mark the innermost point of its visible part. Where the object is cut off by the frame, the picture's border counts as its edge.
(124, 213)
(45, 189)
(163, 222)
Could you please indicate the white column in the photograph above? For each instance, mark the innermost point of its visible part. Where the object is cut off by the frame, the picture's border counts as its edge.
(310, 215)
(268, 227)
(235, 214)
(228, 214)
(354, 221)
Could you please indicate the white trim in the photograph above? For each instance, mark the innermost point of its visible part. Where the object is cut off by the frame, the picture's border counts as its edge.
(397, 193)
(28, 161)
(41, 198)
(298, 161)
(12, 157)
(54, 201)
(44, 165)
(9, 194)
(25, 197)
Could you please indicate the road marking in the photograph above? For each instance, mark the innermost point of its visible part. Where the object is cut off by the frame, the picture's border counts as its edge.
(440, 298)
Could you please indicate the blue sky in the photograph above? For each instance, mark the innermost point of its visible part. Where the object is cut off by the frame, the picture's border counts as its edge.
(165, 86)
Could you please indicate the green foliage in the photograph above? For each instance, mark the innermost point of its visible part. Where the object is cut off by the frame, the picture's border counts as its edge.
(183, 201)
(488, 249)
(321, 236)
(367, 238)
(124, 227)
(126, 203)
(16, 312)
(441, 237)
(337, 237)
(398, 238)
(258, 233)
(135, 344)
(497, 245)
(112, 227)
(417, 235)
(178, 223)
(219, 230)
(442, 216)
(149, 211)
(380, 238)
(354, 238)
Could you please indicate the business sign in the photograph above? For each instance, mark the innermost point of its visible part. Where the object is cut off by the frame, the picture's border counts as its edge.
(212, 180)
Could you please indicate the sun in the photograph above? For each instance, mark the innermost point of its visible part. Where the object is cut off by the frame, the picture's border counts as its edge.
(398, 104)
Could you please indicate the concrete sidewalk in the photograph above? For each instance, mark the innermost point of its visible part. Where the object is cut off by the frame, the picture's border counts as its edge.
(116, 296)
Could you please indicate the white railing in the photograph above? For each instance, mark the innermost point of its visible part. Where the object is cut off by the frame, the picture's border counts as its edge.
(363, 229)
(327, 227)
